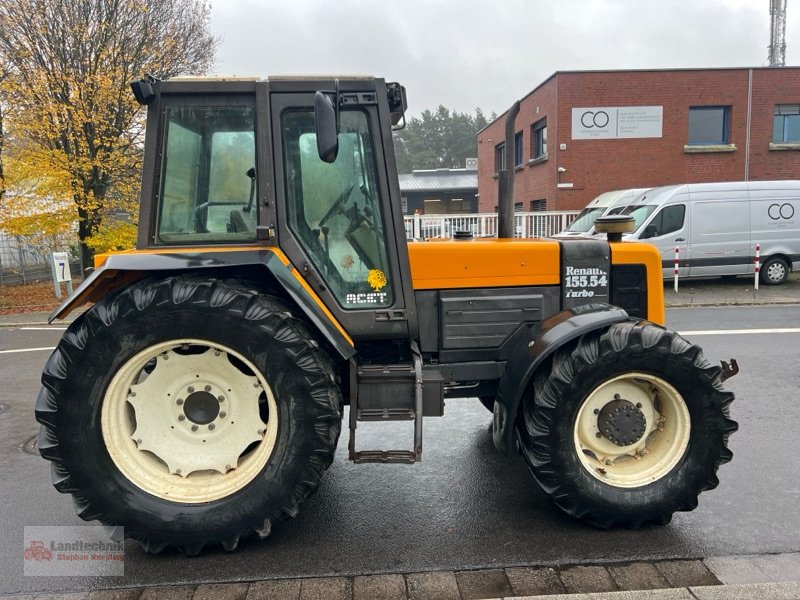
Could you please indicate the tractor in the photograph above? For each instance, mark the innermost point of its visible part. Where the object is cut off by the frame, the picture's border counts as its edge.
(199, 398)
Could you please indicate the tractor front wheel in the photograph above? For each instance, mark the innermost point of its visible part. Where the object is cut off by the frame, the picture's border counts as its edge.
(628, 426)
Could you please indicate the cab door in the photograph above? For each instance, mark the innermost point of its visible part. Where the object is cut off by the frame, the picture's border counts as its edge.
(668, 229)
(334, 219)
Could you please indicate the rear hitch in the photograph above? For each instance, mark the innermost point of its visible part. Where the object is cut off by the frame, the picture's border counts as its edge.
(729, 369)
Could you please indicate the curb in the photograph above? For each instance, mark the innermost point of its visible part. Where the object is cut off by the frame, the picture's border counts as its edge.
(773, 577)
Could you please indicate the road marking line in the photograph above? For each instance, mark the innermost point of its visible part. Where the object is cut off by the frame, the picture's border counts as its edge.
(26, 350)
(740, 331)
(43, 328)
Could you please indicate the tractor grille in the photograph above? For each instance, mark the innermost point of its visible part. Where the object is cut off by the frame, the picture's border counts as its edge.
(629, 289)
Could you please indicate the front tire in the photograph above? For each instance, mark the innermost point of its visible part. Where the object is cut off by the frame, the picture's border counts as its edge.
(188, 411)
(629, 426)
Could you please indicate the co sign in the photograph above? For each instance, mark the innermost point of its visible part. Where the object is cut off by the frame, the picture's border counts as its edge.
(777, 212)
(591, 119)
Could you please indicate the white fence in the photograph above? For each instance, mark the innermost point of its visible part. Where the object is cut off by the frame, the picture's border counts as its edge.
(526, 224)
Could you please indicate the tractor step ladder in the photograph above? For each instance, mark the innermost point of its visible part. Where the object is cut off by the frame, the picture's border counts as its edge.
(386, 393)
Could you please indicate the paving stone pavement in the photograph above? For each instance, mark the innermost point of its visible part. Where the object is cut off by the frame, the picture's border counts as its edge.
(771, 577)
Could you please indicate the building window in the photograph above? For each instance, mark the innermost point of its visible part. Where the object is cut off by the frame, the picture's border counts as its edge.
(539, 139)
(517, 206)
(538, 205)
(708, 125)
(786, 124)
(518, 149)
(500, 157)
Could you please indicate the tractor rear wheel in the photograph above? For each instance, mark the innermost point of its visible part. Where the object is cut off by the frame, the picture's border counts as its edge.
(629, 426)
(188, 411)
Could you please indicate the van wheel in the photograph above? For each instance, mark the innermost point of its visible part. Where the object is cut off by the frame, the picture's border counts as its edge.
(774, 271)
(629, 426)
(190, 411)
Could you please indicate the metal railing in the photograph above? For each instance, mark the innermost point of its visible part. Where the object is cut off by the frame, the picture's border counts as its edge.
(526, 224)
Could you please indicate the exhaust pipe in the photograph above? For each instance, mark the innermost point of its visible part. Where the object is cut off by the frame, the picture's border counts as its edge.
(505, 180)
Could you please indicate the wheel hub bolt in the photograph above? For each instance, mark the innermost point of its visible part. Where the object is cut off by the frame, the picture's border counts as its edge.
(207, 388)
(220, 398)
(181, 418)
(211, 426)
(191, 389)
(194, 427)
(177, 471)
(222, 415)
(227, 467)
(179, 401)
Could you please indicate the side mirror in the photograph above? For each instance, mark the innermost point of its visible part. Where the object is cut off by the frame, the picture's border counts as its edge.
(326, 128)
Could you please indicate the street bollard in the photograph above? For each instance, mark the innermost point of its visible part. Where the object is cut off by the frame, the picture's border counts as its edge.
(677, 260)
(758, 265)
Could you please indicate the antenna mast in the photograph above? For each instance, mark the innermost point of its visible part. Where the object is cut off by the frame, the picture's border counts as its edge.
(777, 40)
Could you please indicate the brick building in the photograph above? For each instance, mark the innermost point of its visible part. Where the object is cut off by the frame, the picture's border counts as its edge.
(581, 133)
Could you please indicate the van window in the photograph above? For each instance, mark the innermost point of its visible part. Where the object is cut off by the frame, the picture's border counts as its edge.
(666, 221)
(640, 212)
(584, 221)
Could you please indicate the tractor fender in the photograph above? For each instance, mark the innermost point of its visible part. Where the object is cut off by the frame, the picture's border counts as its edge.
(541, 341)
(120, 270)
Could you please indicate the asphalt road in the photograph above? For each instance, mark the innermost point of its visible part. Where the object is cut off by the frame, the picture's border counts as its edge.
(465, 506)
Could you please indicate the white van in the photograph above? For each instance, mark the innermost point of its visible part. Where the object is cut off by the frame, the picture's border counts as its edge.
(716, 227)
(607, 203)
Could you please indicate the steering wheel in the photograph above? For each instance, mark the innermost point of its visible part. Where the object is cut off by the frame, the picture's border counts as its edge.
(337, 205)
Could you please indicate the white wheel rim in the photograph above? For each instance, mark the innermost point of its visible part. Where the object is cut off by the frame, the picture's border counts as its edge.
(655, 453)
(156, 425)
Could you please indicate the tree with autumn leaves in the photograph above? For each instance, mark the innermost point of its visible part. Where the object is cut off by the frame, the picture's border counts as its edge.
(70, 130)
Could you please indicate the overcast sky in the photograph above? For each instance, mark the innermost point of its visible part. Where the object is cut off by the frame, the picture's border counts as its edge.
(471, 53)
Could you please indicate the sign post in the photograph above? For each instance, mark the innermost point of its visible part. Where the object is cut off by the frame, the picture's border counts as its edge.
(61, 272)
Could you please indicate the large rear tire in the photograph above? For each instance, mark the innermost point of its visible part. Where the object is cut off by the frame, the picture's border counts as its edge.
(188, 411)
(628, 426)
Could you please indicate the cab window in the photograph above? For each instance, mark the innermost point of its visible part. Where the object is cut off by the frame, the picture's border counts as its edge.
(334, 209)
(668, 220)
(207, 176)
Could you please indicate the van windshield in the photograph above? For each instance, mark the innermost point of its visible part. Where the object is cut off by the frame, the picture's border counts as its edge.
(585, 219)
(640, 212)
